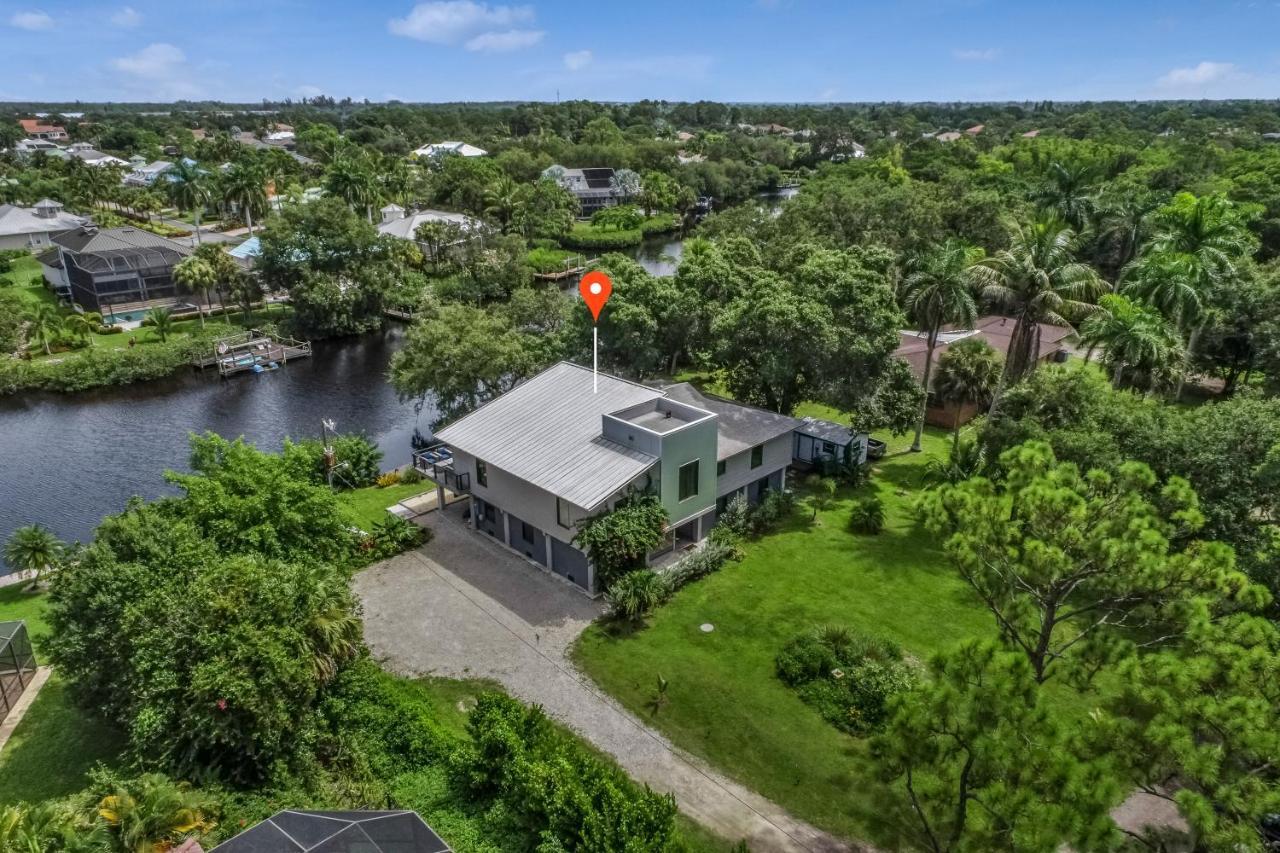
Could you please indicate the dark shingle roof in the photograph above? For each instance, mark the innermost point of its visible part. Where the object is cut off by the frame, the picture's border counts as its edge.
(120, 248)
(739, 427)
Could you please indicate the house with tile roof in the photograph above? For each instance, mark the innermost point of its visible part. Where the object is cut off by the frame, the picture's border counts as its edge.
(34, 128)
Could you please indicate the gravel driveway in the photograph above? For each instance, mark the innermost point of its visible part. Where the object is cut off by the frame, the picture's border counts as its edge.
(464, 607)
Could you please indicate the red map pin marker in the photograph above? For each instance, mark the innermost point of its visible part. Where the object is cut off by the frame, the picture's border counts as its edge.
(595, 288)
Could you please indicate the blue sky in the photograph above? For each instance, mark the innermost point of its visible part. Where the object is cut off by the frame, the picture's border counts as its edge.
(729, 50)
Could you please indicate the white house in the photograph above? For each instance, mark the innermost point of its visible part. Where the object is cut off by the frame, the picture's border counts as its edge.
(398, 222)
(32, 227)
(440, 149)
(92, 157)
(145, 176)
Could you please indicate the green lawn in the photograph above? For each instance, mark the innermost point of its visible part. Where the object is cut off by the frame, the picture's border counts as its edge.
(366, 507)
(726, 704)
(18, 281)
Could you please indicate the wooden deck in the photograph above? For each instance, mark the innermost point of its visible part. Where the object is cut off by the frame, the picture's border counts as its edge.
(583, 264)
(252, 351)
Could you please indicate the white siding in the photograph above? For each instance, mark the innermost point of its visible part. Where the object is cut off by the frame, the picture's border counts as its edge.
(738, 471)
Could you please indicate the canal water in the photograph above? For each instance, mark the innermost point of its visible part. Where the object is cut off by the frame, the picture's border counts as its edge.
(66, 460)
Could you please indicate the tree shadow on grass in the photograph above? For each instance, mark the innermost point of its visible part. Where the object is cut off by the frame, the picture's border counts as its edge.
(53, 748)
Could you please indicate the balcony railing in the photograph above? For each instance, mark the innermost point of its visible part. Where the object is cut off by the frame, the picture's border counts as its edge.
(436, 464)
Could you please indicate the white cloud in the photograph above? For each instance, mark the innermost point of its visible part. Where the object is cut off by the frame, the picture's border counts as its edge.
(309, 91)
(159, 71)
(828, 94)
(455, 21)
(977, 55)
(500, 42)
(34, 20)
(126, 18)
(1204, 74)
(154, 60)
(577, 60)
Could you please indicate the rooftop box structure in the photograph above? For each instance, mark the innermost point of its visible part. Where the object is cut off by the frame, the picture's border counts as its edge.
(17, 664)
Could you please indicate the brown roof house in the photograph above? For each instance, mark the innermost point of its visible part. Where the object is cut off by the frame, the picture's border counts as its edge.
(995, 330)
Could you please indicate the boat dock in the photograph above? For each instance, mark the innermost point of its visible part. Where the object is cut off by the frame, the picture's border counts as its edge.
(572, 267)
(252, 351)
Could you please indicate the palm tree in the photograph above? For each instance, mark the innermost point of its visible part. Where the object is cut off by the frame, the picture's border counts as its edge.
(1068, 192)
(968, 373)
(156, 815)
(335, 637)
(195, 273)
(1126, 224)
(162, 320)
(502, 200)
(35, 549)
(82, 324)
(1036, 280)
(44, 325)
(1133, 336)
(349, 179)
(245, 185)
(937, 290)
(1197, 244)
(189, 189)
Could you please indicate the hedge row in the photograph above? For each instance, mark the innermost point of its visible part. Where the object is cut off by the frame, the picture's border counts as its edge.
(94, 368)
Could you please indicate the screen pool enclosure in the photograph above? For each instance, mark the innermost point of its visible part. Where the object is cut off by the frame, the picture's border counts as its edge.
(293, 831)
(17, 664)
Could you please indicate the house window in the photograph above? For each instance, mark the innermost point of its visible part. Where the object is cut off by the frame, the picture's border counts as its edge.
(720, 466)
(562, 514)
(688, 480)
(526, 531)
(482, 472)
(757, 456)
(828, 448)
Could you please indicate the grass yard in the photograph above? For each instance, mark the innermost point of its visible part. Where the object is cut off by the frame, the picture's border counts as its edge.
(56, 743)
(18, 281)
(366, 507)
(725, 703)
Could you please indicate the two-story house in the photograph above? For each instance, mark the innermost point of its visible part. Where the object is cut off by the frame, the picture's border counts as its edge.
(559, 449)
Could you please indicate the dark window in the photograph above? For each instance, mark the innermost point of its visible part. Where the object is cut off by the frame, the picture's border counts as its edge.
(562, 514)
(828, 448)
(688, 480)
(490, 513)
(482, 472)
(720, 466)
(757, 456)
(526, 531)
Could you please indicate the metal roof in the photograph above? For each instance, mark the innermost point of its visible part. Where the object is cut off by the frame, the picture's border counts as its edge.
(826, 430)
(547, 432)
(738, 427)
(108, 249)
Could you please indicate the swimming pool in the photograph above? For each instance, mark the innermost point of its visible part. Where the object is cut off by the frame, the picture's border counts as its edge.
(123, 317)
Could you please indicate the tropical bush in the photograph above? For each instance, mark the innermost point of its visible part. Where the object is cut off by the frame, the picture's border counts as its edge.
(867, 515)
(736, 517)
(585, 236)
(847, 677)
(635, 595)
(393, 536)
(390, 478)
(773, 509)
(711, 557)
(410, 476)
(96, 367)
(618, 541)
(553, 787)
(357, 457)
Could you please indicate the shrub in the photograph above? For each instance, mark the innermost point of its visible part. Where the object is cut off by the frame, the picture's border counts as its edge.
(358, 459)
(390, 478)
(867, 516)
(554, 788)
(847, 677)
(409, 476)
(736, 517)
(662, 223)
(589, 237)
(635, 595)
(36, 280)
(618, 541)
(710, 558)
(394, 535)
(771, 511)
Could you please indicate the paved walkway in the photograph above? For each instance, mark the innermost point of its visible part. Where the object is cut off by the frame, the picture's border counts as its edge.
(25, 700)
(492, 615)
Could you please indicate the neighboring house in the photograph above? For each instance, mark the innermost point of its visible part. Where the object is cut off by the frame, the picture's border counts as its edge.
(34, 227)
(293, 831)
(145, 176)
(34, 128)
(1271, 137)
(995, 330)
(819, 443)
(949, 136)
(27, 147)
(593, 188)
(1031, 134)
(398, 222)
(111, 266)
(976, 129)
(285, 144)
(441, 149)
(684, 136)
(557, 450)
(92, 157)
